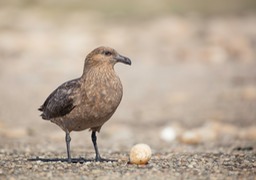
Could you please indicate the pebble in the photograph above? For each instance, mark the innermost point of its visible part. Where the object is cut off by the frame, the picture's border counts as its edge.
(191, 137)
(168, 134)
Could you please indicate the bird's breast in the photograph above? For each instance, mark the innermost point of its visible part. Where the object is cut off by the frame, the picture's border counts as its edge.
(103, 95)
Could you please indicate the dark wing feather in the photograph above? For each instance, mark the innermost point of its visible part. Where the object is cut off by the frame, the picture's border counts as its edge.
(61, 101)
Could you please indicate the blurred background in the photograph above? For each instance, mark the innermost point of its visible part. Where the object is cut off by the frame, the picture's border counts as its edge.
(192, 81)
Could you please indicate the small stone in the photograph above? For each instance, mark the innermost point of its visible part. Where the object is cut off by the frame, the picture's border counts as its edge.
(190, 137)
(168, 134)
(140, 154)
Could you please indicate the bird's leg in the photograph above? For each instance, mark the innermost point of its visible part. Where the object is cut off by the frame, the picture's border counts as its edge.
(68, 139)
(94, 141)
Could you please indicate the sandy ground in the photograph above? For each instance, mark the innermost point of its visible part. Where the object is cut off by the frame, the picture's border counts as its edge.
(190, 94)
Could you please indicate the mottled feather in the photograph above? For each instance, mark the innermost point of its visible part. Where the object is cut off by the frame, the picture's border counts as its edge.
(61, 101)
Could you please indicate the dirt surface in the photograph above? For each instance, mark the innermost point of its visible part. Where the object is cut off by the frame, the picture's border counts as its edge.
(163, 165)
(190, 94)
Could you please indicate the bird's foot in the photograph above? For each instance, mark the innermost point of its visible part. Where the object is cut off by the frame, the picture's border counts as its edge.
(100, 159)
(77, 160)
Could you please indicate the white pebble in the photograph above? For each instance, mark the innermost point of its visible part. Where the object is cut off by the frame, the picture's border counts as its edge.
(140, 154)
(168, 134)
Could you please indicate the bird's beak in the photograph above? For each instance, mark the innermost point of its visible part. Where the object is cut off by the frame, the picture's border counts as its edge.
(123, 59)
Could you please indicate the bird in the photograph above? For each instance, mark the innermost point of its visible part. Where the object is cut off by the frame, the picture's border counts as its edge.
(89, 101)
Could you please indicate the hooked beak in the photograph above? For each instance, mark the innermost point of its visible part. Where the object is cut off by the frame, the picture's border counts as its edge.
(123, 59)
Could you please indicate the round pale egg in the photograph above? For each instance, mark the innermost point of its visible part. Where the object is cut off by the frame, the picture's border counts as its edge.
(140, 154)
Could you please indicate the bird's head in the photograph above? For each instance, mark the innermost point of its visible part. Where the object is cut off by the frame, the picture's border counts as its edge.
(105, 56)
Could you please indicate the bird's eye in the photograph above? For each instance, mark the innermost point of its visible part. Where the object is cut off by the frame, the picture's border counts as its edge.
(107, 53)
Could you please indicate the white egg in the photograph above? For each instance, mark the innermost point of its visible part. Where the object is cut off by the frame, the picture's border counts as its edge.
(140, 154)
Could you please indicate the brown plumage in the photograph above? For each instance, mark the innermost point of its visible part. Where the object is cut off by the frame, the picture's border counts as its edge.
(88, 101)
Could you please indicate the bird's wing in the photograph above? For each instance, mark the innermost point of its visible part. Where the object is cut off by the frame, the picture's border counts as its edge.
(61, 101)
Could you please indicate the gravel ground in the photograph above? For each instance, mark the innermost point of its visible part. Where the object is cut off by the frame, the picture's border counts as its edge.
(190, 94)
(239, 163)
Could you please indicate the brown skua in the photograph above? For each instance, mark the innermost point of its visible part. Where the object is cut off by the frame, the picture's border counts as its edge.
(89, 101)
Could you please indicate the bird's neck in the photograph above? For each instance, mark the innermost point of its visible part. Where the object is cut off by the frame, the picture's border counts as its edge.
(99, 72)
(102, 77)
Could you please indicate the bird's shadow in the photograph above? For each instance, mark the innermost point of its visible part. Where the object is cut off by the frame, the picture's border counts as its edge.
(73, 160)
